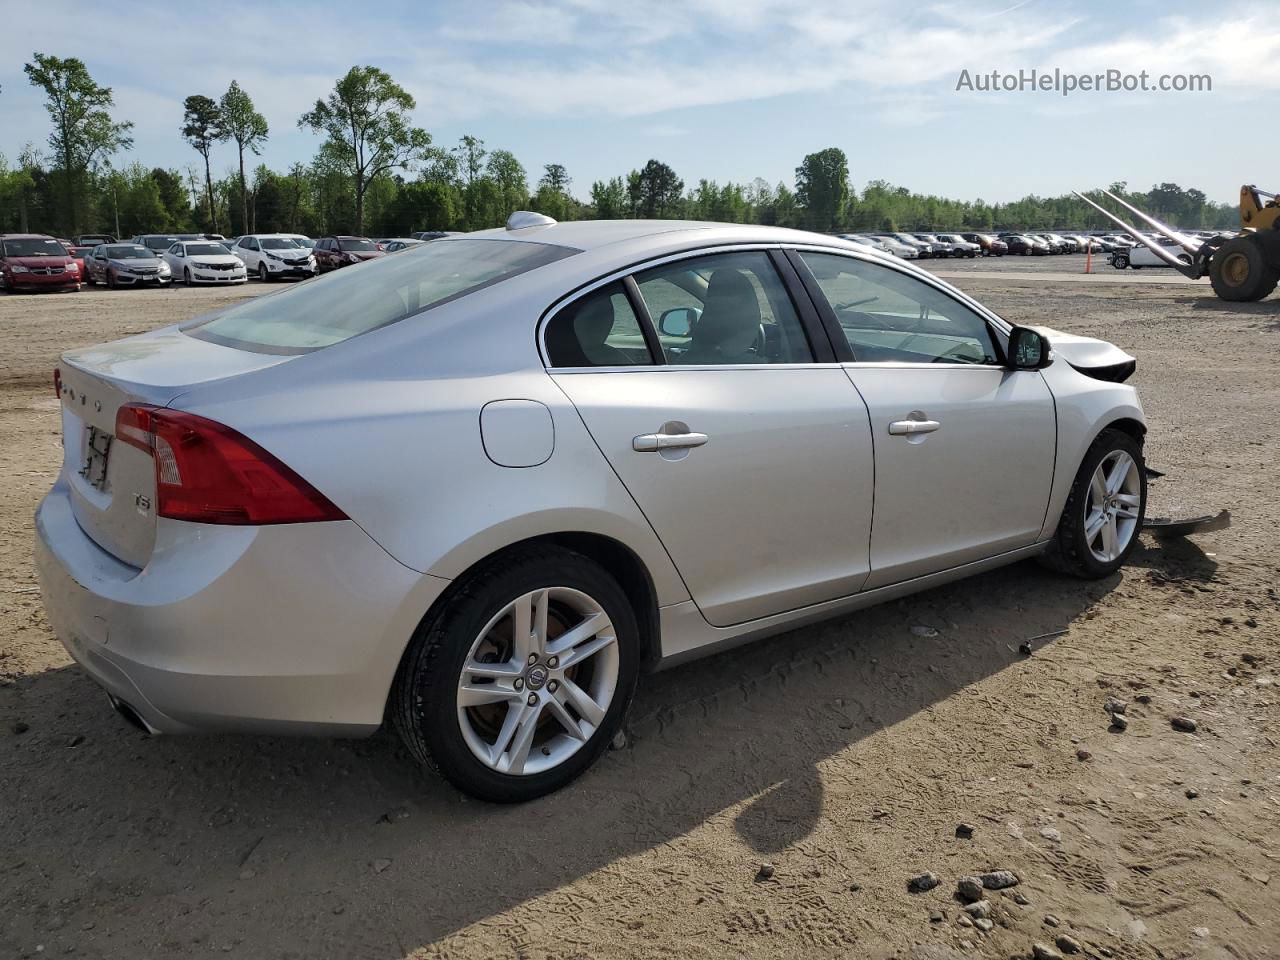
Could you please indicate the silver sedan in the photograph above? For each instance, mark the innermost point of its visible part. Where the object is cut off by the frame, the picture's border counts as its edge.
(482, 486)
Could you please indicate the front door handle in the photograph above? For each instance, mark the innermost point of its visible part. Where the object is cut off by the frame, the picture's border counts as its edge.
(657, 442)
(903, 428)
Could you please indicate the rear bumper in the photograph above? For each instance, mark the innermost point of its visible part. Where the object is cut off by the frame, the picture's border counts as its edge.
(295, 628)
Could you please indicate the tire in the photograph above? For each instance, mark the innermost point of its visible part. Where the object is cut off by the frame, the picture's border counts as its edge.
(262, 272)
(1240, 272)
(111, 281)
(424, 699)
(1120, 262)
(186, 276)
(1072, 550)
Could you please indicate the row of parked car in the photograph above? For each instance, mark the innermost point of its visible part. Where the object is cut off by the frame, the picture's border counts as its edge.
(38, 262)
(919, 246)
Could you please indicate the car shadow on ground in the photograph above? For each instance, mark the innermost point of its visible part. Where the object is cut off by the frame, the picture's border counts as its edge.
(186, 837)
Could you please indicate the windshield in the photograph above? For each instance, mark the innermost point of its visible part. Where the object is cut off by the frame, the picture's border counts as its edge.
(347, 303)
(278, 243)
(34, 247)
(352, 246)
(206, 250)
(128, 251)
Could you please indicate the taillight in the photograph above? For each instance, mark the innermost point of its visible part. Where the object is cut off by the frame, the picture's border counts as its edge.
(208, 473)
(57, 382)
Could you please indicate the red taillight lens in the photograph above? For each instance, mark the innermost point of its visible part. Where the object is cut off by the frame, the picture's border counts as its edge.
(208, 473)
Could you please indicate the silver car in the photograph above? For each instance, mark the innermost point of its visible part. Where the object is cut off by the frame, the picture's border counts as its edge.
(480, 487)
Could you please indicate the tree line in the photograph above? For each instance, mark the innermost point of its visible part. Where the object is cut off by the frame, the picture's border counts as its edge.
(376, 173)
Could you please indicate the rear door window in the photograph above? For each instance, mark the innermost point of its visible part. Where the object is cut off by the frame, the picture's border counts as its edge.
(598, 330)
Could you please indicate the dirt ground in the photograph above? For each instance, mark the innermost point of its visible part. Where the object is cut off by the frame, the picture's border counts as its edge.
(843, 756)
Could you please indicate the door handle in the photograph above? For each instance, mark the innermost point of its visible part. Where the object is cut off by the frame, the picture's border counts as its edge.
(903, 428)
(654, 442)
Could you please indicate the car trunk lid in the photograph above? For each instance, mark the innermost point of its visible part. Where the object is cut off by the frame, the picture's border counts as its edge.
(112, 484)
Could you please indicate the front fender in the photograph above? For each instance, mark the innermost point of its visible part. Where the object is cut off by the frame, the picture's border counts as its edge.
(1085, 407)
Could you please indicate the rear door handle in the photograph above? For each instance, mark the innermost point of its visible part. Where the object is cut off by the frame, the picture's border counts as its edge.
(902, 428)
(654, 442)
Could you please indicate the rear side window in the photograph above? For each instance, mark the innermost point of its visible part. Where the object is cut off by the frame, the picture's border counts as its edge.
(724, 309)
(598, 330)
(346, 303)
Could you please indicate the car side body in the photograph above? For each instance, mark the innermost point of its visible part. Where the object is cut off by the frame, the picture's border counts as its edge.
(453, 436)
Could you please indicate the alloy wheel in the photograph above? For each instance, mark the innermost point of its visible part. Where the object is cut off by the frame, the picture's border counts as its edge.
(538, 681)
(1112, 508)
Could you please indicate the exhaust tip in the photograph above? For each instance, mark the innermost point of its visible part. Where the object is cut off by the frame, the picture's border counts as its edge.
(131, 716)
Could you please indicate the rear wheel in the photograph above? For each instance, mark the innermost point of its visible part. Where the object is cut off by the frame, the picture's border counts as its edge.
(521, 679)
(1239, 271)
(1104, 510)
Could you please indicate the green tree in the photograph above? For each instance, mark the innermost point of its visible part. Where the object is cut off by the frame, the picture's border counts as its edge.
(366, 122)
(83, 131)
(470, 154)
(610, 199)
(555, 177)
(174, 199)
(822, 188)
(655, 191)
(202, 128)
(240, 121)
(509, 178)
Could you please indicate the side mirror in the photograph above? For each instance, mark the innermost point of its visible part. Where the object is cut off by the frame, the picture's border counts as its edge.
(1028, 350)
(679, 321)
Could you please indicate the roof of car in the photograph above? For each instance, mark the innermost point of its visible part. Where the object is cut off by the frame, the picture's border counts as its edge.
(25, 236)
(591, 234)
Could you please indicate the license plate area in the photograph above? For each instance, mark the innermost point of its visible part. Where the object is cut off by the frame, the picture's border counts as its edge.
(97, 450)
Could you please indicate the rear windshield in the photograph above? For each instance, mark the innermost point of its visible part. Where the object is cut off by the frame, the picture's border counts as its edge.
(353, 246)
(346, 303)
(159, 243)
(33, 248)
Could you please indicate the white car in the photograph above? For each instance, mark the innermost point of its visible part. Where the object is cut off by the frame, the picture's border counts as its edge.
(275, 256)
(396, 244)
(481, 486)
(1139, 256)
(204, 261)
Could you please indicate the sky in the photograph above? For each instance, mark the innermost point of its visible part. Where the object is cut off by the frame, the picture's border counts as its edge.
(718, 89)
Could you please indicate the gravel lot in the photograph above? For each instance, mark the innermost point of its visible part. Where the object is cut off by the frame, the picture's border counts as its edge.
(842, 756)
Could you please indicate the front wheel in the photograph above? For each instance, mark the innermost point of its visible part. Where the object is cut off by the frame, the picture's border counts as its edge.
(519, 682)
(1120, 262)
(262, 272)
(1104, 510)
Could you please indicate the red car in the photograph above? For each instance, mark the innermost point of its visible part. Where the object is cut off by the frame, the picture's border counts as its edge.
(32, 261)
(78, 254)
(334, 252)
